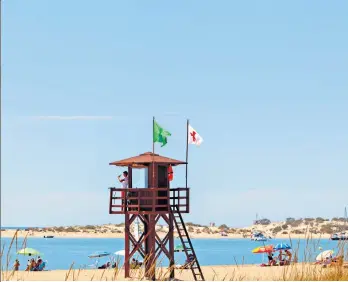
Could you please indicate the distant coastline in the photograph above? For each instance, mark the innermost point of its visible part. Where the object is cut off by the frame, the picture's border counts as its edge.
(16, 227)
(294, 228)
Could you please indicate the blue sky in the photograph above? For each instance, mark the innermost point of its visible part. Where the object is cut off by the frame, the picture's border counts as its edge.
(264, 83)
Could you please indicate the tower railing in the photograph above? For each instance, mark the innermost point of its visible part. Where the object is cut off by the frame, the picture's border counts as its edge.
(148, 200)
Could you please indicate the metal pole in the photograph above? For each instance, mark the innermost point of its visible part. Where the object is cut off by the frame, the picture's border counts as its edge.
(153, 153)
(187, 136)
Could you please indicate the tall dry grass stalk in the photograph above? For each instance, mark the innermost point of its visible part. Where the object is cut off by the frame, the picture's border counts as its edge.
(308, 271)
(8, 272)
(69, 271)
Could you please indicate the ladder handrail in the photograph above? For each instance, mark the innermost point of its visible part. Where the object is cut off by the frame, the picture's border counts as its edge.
(195, 261)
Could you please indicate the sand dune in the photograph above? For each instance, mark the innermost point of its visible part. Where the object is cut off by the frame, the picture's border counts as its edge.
(296, 229)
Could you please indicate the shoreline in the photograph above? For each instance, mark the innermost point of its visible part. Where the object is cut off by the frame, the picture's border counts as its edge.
(83, 235)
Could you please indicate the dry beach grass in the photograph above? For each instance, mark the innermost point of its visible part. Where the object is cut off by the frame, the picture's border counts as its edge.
(298, 272)
(304, 271)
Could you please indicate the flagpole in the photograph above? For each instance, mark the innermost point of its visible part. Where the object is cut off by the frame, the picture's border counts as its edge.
(153, 154)
(187, 136)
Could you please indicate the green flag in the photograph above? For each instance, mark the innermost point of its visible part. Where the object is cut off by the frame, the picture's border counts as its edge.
(159, 134)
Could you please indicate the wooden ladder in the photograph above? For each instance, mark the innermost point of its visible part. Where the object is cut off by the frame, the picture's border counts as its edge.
(187, 245)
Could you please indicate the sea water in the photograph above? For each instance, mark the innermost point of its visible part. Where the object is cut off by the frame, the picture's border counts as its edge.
(60, 253)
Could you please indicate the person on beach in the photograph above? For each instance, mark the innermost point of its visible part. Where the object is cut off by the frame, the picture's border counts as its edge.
(38, 263)
(289, 256)
(16, 265)
(28, 265)
(190, 258)
(104, 266)
(327, 261)
(32, 264)
(124, 182)
(271, 260)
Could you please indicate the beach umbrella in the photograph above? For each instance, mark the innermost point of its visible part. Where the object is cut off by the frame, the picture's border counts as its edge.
(323, 255)
(99, 254)
(28, 252)
(120, 253)
(282, 247)
(179, 248)
(263, 249)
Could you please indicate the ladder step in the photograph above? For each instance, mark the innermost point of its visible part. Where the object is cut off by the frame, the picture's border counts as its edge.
(188, 248)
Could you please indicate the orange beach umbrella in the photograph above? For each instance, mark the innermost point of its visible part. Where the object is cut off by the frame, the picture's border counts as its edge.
(263, 249)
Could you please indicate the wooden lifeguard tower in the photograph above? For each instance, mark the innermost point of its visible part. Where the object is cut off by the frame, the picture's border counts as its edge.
(150, 204)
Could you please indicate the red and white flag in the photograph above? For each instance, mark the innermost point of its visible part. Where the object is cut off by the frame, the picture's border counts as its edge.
(194, 137)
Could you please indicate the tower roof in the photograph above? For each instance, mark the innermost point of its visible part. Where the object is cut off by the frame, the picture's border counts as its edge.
(145, 159)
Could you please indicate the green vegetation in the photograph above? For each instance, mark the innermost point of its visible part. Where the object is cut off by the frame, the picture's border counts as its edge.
(71, 229)
(206, 230)
(319, 220)
(327, 228)
(298, 232)
(296, 222)
(90, 227)
(193, 224)
(339, 219)
(264, 221)
(232, 230)
(223, 227)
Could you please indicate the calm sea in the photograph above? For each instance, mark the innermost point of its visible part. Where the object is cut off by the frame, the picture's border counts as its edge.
(15, 228)
(61, 252)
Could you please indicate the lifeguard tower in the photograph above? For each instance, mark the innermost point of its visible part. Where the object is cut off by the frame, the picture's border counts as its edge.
(150, 204)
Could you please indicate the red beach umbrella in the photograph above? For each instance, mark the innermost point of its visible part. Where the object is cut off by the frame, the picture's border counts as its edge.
(263, 249)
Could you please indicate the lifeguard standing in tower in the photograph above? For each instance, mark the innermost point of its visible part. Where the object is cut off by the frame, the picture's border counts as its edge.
(154, 202)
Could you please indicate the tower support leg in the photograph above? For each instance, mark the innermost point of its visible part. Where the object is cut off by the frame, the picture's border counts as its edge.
(171, 246)
(126, 246)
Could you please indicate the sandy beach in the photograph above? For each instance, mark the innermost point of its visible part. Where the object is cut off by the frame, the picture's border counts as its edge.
(217, 273)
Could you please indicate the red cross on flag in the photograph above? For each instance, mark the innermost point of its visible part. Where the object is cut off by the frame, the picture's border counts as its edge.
(194, 137)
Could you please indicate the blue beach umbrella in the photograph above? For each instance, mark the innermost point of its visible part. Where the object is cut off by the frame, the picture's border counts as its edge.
(282, 247)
